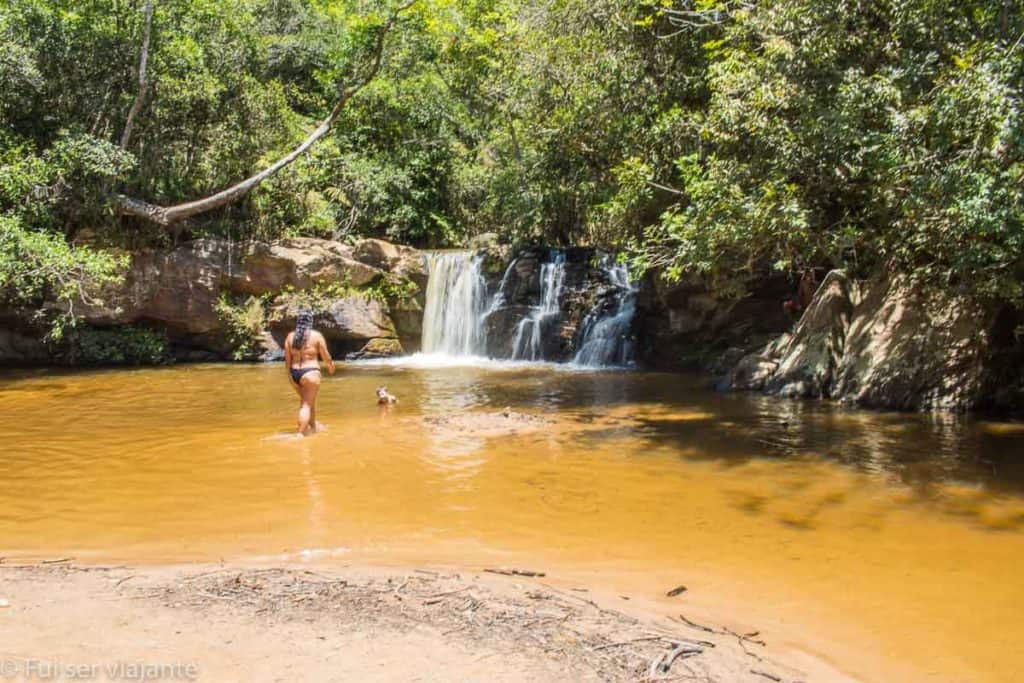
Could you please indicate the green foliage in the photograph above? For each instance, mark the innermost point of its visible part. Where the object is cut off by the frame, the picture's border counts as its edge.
(36, 265)
(864, 135)
(245, 321)
(316, 299)
(724, 138)
(392, 288)
(117, 346)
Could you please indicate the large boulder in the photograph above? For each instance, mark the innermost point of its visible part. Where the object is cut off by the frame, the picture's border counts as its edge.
(500, 328)
(752, 372)
(298, 263)
(911, 349)
(404, 264)
(401, 261)
(357, 318)
(807, 361)
(377, 348)
(376, 253)
(412, 265)
(180, 289)
(352, 318)
(407, 315)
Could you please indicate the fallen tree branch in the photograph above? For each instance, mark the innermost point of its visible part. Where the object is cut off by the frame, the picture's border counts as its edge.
(620, 643)
(168, 215)
(515, 572)
(677, 652)
(701, 627)
(663, 662)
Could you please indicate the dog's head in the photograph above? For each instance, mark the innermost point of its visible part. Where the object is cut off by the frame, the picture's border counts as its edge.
(382, 392)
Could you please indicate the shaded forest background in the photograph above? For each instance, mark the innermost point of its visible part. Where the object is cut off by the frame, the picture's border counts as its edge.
(728, 139)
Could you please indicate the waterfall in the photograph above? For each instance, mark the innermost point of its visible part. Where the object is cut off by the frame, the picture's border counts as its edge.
(604, 336)
(527, 342)
(456, 298)
(499, 298)
(458, 306)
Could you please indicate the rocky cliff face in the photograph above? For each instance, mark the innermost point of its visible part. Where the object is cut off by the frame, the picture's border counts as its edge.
(684, 325)
(575, 282)
(182, 292)
(881, 344)
(888, 344)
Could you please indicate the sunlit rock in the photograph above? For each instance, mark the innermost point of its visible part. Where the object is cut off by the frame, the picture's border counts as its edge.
(908, 349)
(808, 359)
(299, 263)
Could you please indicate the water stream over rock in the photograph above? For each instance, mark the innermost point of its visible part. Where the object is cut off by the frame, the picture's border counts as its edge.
(455, 304)
(604, 337)
(545, 306)
(527, 343)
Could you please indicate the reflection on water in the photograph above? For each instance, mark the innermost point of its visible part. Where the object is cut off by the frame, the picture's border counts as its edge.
(854, 527)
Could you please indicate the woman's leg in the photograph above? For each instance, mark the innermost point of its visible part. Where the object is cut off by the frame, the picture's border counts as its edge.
(309, 387)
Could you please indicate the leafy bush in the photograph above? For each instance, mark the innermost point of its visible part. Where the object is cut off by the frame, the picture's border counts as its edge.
(392, 288)
(245, 321)
(320, 297)
(38, 265)
(117, 346)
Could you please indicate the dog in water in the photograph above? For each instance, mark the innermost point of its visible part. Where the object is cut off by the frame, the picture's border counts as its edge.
(384, 398)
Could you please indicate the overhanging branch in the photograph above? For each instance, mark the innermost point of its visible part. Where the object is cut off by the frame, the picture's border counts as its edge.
(168, 215)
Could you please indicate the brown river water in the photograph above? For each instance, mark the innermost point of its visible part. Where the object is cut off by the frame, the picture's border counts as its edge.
(890, 546)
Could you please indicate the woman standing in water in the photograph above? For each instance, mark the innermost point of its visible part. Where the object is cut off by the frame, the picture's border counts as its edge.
(303, 350)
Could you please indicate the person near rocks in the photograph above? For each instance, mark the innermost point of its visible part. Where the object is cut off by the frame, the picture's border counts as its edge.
(796, 305)
(304, 350)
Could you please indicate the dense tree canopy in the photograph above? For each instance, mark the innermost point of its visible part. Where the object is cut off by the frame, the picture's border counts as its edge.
(722, 137)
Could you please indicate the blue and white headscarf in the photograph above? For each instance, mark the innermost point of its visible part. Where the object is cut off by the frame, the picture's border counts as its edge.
(303, 324)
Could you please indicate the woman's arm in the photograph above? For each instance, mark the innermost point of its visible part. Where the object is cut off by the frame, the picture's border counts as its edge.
(288, 363)
(325, 355)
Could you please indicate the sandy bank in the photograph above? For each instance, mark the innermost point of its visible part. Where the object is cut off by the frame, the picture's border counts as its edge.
(225, 623)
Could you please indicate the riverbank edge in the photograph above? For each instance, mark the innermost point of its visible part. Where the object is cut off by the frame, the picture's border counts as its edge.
(881, 343)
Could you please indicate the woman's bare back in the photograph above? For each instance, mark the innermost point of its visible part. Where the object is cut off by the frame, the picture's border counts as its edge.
(314, 349)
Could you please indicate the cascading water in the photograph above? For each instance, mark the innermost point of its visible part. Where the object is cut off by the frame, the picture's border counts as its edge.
(456, 303)
(527, 342)
(458, 307)
(604, 337)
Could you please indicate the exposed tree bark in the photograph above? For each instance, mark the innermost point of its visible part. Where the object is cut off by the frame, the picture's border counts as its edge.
(140, 97)
(169, 215)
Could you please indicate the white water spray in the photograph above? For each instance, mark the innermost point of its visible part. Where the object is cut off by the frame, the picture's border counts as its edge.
(457, 308)
(527, 343)
(456, 301)
(604, 337)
